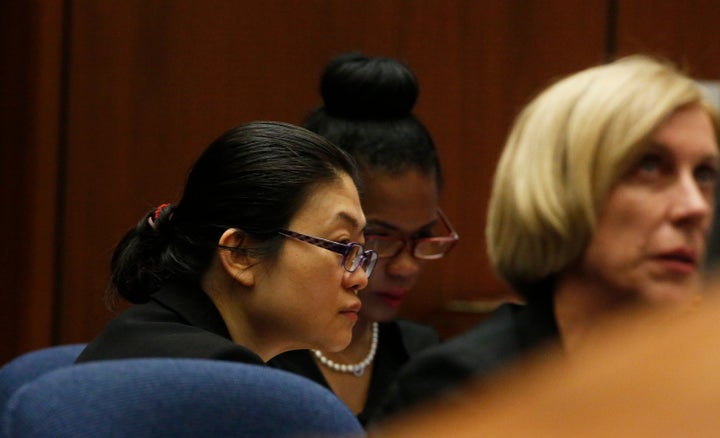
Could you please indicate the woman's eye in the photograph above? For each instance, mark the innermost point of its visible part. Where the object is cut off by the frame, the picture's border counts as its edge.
(649, 164)
(706, 175)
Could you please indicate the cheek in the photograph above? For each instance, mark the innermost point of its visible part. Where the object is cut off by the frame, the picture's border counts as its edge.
(302, 275)
(379, 275)
(319, 275)
(628, 219)
(624, 233)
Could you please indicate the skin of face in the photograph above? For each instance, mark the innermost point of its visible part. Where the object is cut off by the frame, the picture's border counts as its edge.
(402, 205)
(651, 235)
(305, 295)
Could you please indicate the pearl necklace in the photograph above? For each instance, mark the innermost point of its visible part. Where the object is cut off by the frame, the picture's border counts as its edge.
(356, 368)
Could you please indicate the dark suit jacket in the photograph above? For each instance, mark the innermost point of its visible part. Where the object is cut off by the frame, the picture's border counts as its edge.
(180, 320)
(398, 341)
(511, 331)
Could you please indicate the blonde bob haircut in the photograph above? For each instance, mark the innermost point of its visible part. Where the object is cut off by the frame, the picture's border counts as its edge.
(565, 151)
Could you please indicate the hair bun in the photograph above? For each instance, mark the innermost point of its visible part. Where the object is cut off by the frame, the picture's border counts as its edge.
(356, 86)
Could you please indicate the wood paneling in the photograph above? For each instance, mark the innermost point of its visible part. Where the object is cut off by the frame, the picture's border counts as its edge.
(31, 50)
(151, 83)
(687, 33)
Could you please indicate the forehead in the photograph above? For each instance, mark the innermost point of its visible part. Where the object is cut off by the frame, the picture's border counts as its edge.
(331, 204)
(408, 199)
(688, 131)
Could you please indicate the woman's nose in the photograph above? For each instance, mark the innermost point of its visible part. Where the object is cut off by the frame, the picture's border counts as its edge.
(357, 280)
(691, 203)
(403, 264)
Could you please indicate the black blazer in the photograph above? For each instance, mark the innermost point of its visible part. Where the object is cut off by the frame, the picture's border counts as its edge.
(512, 330)
(180, 320)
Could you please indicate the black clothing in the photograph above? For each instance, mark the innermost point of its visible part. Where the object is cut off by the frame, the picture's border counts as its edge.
(512, 330)
(180, 320)
(398, 341)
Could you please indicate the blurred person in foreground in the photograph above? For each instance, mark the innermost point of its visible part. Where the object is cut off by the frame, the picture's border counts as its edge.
(643, 372)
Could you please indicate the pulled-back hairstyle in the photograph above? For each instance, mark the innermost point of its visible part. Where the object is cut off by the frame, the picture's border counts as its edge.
(367, 111)
(254, 177)
(566, 150)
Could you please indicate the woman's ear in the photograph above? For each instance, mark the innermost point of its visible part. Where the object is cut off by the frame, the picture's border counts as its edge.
(236, 262)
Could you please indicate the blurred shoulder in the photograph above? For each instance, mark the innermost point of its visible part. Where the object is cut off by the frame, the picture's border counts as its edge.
(417, 336)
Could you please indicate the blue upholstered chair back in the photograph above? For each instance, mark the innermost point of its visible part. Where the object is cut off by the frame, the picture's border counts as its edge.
(164, 397)
(31, 365)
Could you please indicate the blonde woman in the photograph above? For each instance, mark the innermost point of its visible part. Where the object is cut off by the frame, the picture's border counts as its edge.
(603, 199)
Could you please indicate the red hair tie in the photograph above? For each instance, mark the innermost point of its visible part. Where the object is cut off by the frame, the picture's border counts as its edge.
(151, 220)
(158, 210)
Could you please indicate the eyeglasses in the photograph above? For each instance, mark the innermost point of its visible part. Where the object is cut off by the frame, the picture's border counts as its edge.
(353, 254)
(423, 248)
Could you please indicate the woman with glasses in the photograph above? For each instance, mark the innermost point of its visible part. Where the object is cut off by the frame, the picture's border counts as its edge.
(368, 112)
(602, 201)
(263, 254)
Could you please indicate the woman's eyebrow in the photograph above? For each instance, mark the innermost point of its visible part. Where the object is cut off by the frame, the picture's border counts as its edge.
(662, 148)
(391, 227)
(351, 220)
(381, 224)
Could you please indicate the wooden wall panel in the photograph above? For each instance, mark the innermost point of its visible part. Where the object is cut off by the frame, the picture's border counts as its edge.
(687, 32)
(153, 83)
(149, 84)
(30, 48)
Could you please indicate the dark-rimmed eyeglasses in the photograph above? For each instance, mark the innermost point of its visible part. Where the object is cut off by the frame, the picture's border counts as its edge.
(353, 254)
(423, 248)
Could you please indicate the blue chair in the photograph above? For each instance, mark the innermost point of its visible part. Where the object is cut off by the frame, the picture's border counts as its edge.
(163, 397)
(33, 364)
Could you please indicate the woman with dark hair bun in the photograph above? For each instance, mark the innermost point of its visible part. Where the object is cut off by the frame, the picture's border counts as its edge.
(367, 111)
(268, 223)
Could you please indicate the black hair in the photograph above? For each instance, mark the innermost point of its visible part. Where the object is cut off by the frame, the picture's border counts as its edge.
(254, 177)
(367, 111)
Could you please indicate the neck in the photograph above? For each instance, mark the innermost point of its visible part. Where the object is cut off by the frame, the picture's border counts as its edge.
(578, 304)
(225, 294)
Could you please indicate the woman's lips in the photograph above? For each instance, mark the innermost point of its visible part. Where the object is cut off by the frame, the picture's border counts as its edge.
(352, 316)
(679, 261)
(352, 311)
(392, 298)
